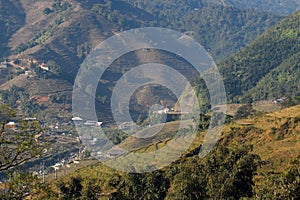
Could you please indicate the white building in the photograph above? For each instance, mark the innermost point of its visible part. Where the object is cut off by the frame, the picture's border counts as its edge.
(164, 111)
(3, 65)
(93, 123)
(44, 66)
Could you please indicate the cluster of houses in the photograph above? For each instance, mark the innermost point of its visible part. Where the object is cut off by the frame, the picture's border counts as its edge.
(80, 121)
(14, 124)
(74, 158)
(43, 65)
(112, 153)
(28, 72)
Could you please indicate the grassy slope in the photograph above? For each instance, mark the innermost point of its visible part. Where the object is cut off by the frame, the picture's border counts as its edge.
(275, 138)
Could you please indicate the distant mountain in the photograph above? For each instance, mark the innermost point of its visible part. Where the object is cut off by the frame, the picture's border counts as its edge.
(224, 30)
(12, 18)
(65, 31)
(268, 67)
(221, 29)
(280, 7)
(277, 7)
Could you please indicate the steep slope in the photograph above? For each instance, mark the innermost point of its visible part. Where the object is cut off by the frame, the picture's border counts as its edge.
(277, 45)
(278, 7)
(283, 81)
(274, 140)
(221, 29)
(70, 29)
(225, 30)
(281, 7)
(12, 17)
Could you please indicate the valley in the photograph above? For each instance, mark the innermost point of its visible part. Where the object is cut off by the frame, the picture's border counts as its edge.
(47, 151)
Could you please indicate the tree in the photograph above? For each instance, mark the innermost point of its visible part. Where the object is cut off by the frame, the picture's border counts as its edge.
(17, 145)
(245, 111)
(291, 179)
(92, 191)
(226, 173)
(72, 190)
(230, 172)
(20, 186)
(280, 185)
(153, 185)
(130, 187)
(47, 11)
(189, 182)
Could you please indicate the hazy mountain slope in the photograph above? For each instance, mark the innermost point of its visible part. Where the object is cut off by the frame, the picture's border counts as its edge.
(281, 7)
(225, 30)
(277, 45)
(221, 29)
(67, 34)
(66, 31)
(12, 17)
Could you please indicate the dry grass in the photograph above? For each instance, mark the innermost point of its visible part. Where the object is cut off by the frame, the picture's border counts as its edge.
(256, 131)
(271, 140)
(266, 106)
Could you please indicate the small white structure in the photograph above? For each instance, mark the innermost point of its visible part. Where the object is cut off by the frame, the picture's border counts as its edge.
(30, 119)
(28, 73)
(44, 66)
(11, 125)
(164, 111)
(98, 124)
(57, 166)
(3, 65)
(279, 100)
(93, 123)
(77, 119)
(126, 126)
(76, 161)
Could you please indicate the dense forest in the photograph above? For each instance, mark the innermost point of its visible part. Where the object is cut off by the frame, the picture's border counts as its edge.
(274, 52)
(281, 7)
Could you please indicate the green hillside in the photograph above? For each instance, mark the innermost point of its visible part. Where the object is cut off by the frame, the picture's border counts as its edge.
(281, 7)
(283, 81)
(64, 32)
(222, 30)
(256, 158)
(52, 36)
(277, 50)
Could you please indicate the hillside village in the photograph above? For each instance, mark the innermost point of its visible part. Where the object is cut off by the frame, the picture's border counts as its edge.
(49, 152)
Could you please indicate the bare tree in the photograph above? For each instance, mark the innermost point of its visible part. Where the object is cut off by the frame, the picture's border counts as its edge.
(18, 141)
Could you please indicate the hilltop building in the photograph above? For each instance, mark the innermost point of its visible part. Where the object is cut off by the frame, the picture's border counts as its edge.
(44, 66)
